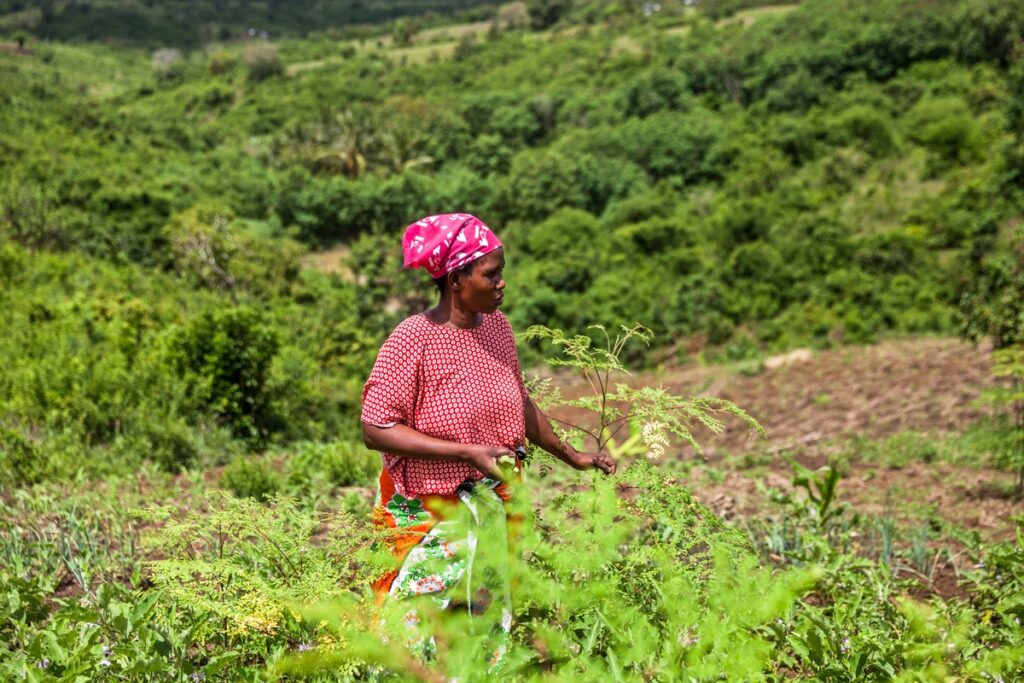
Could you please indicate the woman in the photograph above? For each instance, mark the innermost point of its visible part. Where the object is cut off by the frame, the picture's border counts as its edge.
(445, 404)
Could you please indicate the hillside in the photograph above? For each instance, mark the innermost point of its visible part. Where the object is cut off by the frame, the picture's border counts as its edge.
(815, 210)
(829, 174)
(179, 23)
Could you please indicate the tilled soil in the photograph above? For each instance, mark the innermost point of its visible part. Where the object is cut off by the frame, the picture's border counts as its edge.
(927, 384)
(812, 404)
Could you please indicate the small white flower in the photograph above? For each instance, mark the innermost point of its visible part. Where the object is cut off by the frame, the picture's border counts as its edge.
(104, 662)
(654, 437)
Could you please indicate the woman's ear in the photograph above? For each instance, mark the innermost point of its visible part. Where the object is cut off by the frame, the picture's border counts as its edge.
(454, 280)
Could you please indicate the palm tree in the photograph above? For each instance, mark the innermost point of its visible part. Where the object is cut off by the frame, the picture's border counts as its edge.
(399, 149)
(340, 142)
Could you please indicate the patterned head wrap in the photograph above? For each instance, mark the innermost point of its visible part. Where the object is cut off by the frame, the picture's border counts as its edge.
(446, 242)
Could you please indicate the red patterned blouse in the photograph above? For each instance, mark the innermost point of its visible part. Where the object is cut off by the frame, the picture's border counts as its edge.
(460, 385)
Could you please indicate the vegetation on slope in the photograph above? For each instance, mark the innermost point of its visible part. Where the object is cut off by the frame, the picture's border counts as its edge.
(835, 173)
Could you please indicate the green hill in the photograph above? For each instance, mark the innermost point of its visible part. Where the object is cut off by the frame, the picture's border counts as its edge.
(182, 23)
(832, 174)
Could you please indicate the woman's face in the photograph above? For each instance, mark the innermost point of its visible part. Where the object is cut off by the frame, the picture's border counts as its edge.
(481, 290)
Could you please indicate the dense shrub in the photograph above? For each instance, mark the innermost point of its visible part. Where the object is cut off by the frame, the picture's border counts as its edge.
(819, 175)
(225, 358)
(251, 477)
(946, 126)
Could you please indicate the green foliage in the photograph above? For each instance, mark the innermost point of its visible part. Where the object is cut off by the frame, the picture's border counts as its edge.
(211, 252)
(314, 465)
(225, 358)
(993, 291)
(184, 23)
(866, 126)
(250, 565)
(251, 477)
(20, 458)
(945, 126)
(546, 13)
(403, 31)
(830, 174)
(815, 141)
(1008, 396)
(652, 414)
(604, 590)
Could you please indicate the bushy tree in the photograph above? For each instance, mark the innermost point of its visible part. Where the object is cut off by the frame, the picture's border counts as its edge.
(225, 358)
(992, 292)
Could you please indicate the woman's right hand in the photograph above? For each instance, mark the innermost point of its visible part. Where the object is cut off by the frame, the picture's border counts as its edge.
(485, 459)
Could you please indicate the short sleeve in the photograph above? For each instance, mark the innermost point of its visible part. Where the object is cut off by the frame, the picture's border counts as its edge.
(389, 394)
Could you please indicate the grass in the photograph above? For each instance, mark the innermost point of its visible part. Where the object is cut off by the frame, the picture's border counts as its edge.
(329, 261)
(421, 54)
(441, 42)
(749, 16)
(627, 45)
(976, 447)
(454, 31)
(95, 70)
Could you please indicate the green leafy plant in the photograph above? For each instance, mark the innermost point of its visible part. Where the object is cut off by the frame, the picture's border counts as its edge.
(604, 588)
(652, 414)
(251, 477)
(314, 466)
(250, 565)
(820, 487)
(226, 358)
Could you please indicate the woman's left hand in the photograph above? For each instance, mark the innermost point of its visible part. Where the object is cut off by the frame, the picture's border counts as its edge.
(600, 461)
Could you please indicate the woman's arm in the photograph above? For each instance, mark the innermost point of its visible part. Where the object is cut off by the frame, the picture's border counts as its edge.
(403, 440)
(538, 431)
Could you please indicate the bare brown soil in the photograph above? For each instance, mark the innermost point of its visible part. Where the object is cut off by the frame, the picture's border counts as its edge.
(927, 384)
(813, 404)
(329, 261)
(15, 49)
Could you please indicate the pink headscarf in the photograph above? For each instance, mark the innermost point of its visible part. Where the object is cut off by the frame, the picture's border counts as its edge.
(446, 242)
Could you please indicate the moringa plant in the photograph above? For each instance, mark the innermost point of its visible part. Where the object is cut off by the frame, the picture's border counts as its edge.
(652, 414)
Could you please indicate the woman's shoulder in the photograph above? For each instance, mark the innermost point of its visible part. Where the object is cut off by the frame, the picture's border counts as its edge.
(414, 322)
(498, 319)
(499, 324)
(410, 331)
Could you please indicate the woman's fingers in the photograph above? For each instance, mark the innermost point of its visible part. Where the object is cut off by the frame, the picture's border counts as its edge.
(496, 455)
(604, 463)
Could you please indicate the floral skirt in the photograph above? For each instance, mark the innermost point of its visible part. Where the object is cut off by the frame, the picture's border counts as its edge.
(454, 549)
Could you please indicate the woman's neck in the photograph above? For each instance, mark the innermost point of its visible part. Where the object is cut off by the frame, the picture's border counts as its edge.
(450, 314)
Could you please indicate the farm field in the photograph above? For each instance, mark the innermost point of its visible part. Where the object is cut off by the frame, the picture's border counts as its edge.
(916, 505)
(769, 258)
